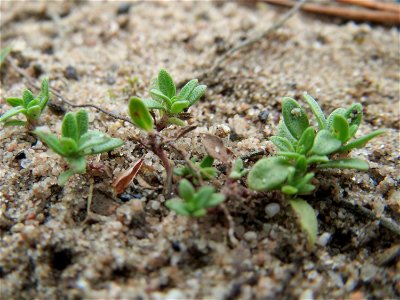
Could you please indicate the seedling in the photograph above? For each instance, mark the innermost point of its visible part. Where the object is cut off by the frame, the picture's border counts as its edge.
(302, 147)
(76, 142)
(203, 169)
(238, 171)
(165, 99)
(29, 105)
(194, 203)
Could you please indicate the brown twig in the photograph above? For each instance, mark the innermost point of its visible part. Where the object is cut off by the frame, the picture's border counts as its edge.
(386, 6)
(383, 17)
(57, 93)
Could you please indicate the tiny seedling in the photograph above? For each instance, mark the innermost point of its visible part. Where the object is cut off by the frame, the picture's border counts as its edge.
(194, 203)
(302, 147)
(29, 105)
(203, 169)
(165, 99)
(238, 171)
(76, 142)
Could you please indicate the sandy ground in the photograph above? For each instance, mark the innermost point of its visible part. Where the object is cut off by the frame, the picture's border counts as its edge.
(137, 248)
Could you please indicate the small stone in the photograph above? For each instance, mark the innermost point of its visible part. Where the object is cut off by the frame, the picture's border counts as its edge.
(368, 272)
(123, 8)
(250, 236)
(324, 239)
(155, 205)
(272, 209)
(70, 73)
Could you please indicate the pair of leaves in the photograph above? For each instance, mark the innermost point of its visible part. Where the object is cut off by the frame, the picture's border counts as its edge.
(76, 142)
(204, 169)
(194, 203)
(238, 171)
(29, 105)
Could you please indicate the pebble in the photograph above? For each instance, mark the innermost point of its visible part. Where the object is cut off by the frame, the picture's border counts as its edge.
(368, 272)
(272, 209)
(250, 236)
(324, 239)
(70, 73)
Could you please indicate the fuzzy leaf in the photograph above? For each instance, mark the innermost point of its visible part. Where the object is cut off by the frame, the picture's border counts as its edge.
(290, 155)
(352, 130)
(177, 206)
(298, 183)
(282, 143)
(15, 101)
(196, 94)
(157, 95)
(314, 159)
(64, 176)
(317, 111)
(27, 96)
(187, 89)
(203, 195)
(301, 164)
(186, 190)
(178, 106)
(283, 132)
(289, 190)
(338, 111)
(207, 161)
(34, 112)
(237, 170)
(325, 143)
(268, 173)
(354, 114)
(111, 144)
(176, 121)
(92, 138)
(341, 128)
(69, 146)
(12, 112)
(34, 102)
(208, 172)
(140, 115)
(307, 218)
(166, 84)
(153, 104)
(349, 163)
(306, 141)
(44, 93)
(360, 142)
(78, 164)
(14, 123)
(50, 140)
(69, 127)
(306, 189)
(215, 199)
(82, 120)
(294, 116)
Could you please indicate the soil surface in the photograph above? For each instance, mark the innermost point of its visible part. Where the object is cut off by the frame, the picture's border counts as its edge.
(132, 246)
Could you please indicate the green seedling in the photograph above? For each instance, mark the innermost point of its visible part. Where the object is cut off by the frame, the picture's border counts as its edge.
(303, 147)
(76, 142)
(194, 203)
(203, 169)
(165, 99)
(29, 105)
(238, 171)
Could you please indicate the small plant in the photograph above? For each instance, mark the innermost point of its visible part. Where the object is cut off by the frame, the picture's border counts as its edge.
(194, 203)
(76, 142)
(238, 171)
(165, 99)
(303, 147)
(203, 169)
(29, 105)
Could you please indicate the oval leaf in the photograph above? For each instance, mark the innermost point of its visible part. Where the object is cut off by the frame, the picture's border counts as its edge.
(295, 117)
(307, 218)
(34, 112)
(341, 128)
(349, 163)
(306, 141)
(178, 106)
(317, 111)
(187, 89)
(325, 143)
(15, 101)
(166, 84)
(196, 94)
(140, 115)
(82, 120)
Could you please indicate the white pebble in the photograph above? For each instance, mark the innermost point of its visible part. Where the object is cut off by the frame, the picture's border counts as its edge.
(324, 239)
(250, 236)
(272, 209)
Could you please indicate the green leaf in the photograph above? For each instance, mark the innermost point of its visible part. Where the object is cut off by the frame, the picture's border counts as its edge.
(352, 130)
(186, 190)
(157, 95)
(44, 93)
(34, 112)
(290, 155)
(69, 127)
(140, 115)
(187, 89)
(27, 96)
(289, 190)
(268, 173)
(15, 101)
(294, 116)
(307, 218)
(153, 104)
(208, 172)
(14, 123)
(176, 121)
(215, 199)
(317, 111)
(298, 183)
(202, 196)
(284, 133)
(177, 206)
(78, 164)
(338, 111)
(315, 159)
(306, 141)
(82, 121)
(196, 94)
(92, 138)
(178, 106)
(348, 163)
(12, 112)
(111, 144)
(166, 84)
(199, 213)
(237, 170)
(282, 143)
(69, 146)
(301, 164)
(64, 176)
(341, 128)
(306, 189)
(354, 114)
(325, 143)
(362, 141)
(50, 140)
(3, 54)
(207, 161)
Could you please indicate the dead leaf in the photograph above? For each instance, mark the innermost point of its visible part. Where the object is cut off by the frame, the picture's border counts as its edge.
(216, 148)
(125, 178)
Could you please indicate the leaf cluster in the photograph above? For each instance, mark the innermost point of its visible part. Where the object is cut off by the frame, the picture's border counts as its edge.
(301, 146)
(204, 168)
(29, 105)
(76, 142)
(194, 203)
(166, 100)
